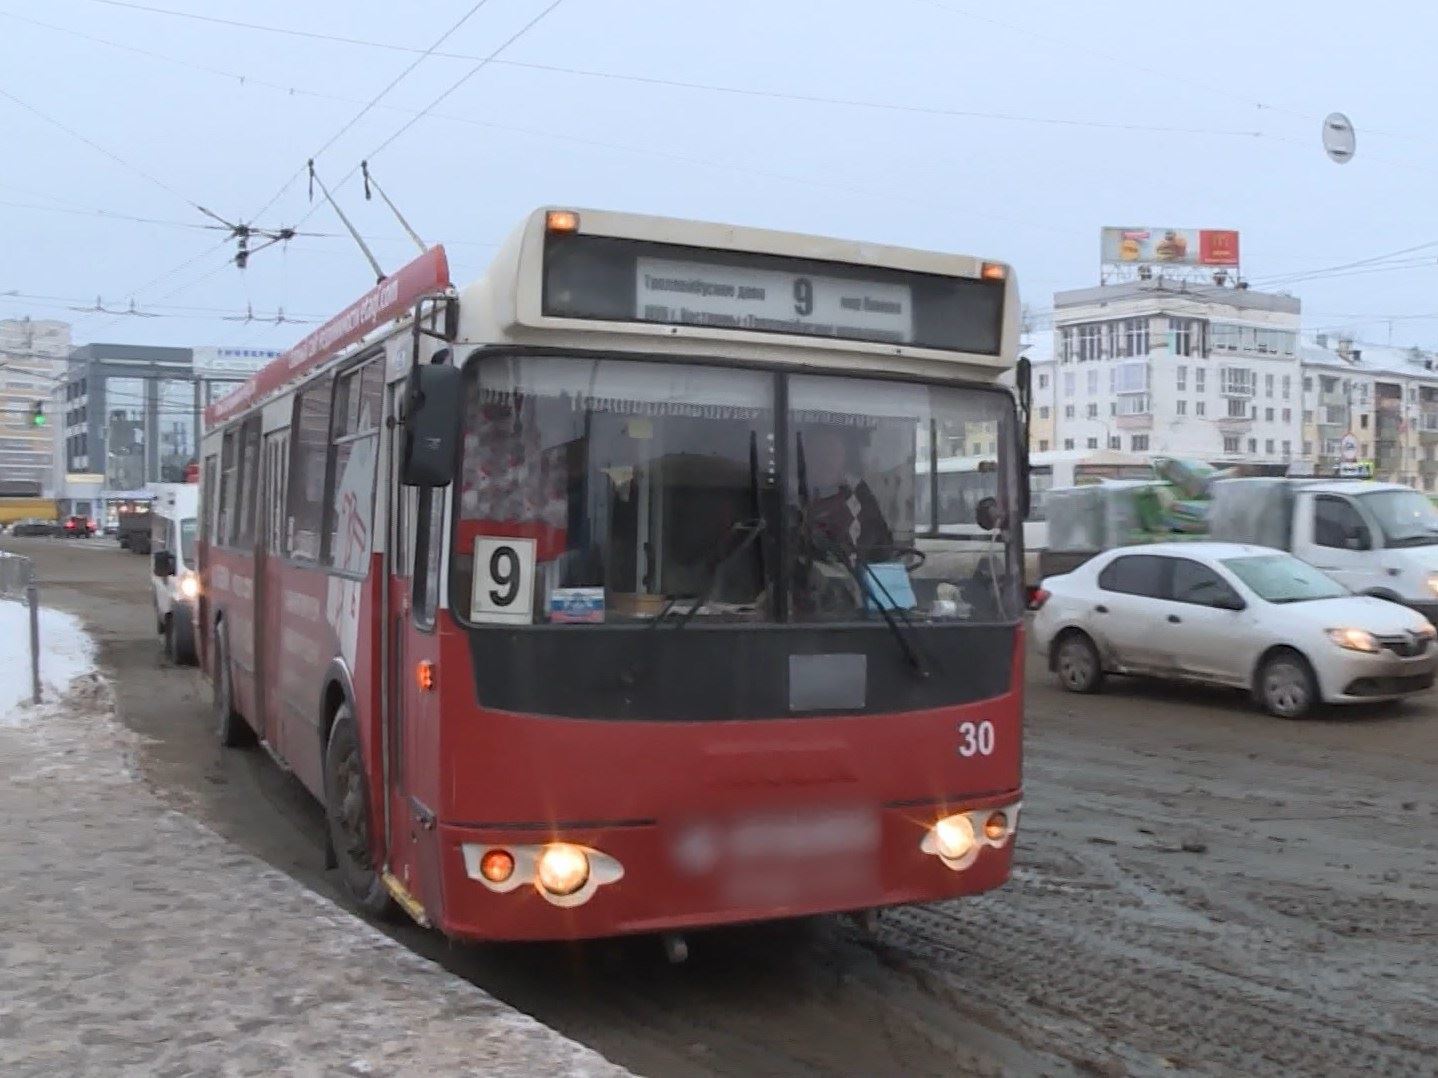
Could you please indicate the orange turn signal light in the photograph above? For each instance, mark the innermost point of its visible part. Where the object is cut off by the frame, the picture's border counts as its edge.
(996, 826)
(496, 865)
(561, 221)
(994, 271)
(424, 675)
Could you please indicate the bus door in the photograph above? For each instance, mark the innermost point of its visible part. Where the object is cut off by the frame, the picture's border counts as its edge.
(413, 562)
(269, 587)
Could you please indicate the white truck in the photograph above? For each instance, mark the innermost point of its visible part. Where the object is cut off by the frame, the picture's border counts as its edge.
(1378, 539)
(174, 516)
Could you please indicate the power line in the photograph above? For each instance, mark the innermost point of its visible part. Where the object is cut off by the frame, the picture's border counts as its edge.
(97, 147)
(737, 91)
(369, 105)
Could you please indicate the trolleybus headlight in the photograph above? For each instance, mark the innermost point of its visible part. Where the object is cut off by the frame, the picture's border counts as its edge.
(953, 837)
(497, 865)
(562, 869)
(189, 585)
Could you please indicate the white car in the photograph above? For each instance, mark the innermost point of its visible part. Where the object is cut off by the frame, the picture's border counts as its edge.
(1246, 616)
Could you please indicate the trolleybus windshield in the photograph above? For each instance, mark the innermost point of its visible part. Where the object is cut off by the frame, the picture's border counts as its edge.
(606, 490)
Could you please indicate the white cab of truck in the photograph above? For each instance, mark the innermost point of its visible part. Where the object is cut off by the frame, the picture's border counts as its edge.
(1377, 539)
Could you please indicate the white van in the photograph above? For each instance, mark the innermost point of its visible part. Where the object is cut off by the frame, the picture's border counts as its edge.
(174, 519)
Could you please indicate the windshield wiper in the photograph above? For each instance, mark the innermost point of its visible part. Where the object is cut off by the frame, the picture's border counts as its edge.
(752, 529)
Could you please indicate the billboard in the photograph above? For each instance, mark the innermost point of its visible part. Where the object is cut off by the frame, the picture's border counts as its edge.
(1170, 246)
(226, 363)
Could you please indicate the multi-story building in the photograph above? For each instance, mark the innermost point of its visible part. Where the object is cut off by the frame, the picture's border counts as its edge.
(32, 364)
(1385, 397)
(132, 413)
(1164, 367)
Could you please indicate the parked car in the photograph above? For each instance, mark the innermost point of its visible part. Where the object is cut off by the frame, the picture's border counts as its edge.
(33, 526)
(1252, 617)
(77, 527)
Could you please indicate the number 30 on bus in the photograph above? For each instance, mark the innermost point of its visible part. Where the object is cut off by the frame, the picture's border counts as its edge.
(616, 592)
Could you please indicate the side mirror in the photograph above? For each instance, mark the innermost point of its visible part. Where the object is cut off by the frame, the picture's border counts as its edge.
(432, 401)
(1230, 602)
(164, 563)
(1357, 539)
(987, 515)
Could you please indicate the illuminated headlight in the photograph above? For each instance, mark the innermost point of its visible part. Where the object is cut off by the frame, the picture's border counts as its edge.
(562, 869)
(190, 586)
(564, 874)
(1354, 640)
(958, 839)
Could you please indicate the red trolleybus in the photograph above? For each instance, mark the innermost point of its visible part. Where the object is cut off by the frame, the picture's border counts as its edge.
(611, 594)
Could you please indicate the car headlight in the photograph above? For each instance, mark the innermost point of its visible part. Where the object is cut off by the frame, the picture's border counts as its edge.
(1354, 640)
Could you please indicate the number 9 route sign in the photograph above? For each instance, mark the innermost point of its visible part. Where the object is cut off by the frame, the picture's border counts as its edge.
(503, 589)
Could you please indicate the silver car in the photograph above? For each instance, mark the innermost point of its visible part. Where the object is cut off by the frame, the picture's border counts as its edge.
(1250, 617)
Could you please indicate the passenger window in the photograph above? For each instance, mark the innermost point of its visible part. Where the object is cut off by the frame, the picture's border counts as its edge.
(353, 455)
(309, 449)
(248, 496)
(1196, 583)
(1336, 523)
(229, 476)
(1136, 574)
(207, 497)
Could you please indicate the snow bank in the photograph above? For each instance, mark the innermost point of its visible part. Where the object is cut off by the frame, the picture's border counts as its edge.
(66, 652)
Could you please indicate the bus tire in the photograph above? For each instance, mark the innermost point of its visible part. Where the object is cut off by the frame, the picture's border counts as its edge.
(230, 726)
(347, 818)
(180, 637)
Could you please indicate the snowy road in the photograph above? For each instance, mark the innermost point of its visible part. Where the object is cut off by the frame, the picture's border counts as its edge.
(1200, 890)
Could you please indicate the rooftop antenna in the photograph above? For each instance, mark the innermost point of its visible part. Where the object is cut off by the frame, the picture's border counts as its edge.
(315, 179)
(370, 181)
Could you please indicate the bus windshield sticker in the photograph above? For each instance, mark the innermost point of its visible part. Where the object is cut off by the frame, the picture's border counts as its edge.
(503, 580)
(742, 297)
(577, 606)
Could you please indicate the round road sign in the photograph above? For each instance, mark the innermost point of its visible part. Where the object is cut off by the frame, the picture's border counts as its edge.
(1339, 140)
(1348, 448)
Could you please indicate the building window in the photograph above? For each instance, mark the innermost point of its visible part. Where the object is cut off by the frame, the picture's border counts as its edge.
(1068, 383)
(1268, 446)
(1115, 442)
(1200, 407)
(1287, 449)
(1180, 407)
(1043, 381)
(1113, 408)
(1308, 449)
(1093, 410)
(1185, 336)
(1068, 411)
(1093, 443)
(1133, 405)
(1308, 385)
(1287, 386)
(1363, 421)
(1138, 443)
(1068, 443)
(1090, 340)
(1236, 382)
(1230, 443)
(1268, 415)
(1180, 377)
(1043, 445)
(1092, 382)
(1198, 378)
(1268, 385)
(1308, 415)
(1136, 336)
(1253, 445)
(1237, 409)
(978, 448)
(1129, 378)
(1043, 411)
(1288, 415)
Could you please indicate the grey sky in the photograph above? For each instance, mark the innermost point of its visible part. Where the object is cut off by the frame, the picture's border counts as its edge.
(512, 138)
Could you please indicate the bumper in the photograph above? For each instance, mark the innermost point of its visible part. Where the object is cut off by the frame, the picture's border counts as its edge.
(658, 892)
(1354, 677)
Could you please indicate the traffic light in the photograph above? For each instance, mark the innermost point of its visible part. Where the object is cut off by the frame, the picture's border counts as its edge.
(37, 414)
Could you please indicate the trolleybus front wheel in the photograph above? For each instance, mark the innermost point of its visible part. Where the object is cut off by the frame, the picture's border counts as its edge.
(347, 815)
